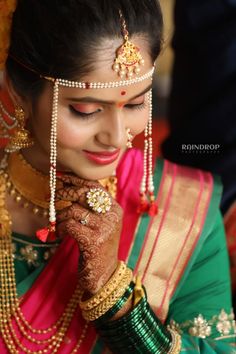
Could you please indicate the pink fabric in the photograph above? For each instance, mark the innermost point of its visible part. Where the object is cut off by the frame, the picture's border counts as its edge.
(43, 304)
(129, 179)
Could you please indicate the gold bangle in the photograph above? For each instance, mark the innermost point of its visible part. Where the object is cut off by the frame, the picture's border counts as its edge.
(138, 290)
(106, 290)
(176, 342)
(110, 301)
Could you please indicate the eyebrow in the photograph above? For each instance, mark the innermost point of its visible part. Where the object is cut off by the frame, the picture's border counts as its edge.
(97, 100)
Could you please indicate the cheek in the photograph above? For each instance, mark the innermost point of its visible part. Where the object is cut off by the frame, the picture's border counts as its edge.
(139, 121)
(72, 133)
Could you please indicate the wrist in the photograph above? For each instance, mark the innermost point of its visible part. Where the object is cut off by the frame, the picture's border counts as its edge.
(139, 331)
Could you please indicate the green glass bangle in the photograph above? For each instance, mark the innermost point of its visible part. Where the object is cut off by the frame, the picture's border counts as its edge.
(120, 303)
(139, 331)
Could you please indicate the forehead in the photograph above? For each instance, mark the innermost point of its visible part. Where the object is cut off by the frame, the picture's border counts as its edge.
(103, 72)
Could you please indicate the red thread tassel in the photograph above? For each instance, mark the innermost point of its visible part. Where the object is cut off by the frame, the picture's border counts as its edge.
(47, 233)
(143, 206)
(153, 209)
(42, 234)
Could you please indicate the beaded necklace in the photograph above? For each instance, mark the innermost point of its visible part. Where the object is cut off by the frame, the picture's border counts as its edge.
(10, 304)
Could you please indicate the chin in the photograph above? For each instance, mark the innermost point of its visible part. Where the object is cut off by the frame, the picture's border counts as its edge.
(88, 170)
(94, 173)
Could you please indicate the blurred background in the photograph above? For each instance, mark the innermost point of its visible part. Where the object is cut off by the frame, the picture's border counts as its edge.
(162, 81)
(194, 97)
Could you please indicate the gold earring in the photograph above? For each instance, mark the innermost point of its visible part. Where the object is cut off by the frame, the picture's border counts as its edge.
(129, 139)
(21, 138)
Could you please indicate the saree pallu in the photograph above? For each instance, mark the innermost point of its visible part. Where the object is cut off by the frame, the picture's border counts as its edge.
(180, 253)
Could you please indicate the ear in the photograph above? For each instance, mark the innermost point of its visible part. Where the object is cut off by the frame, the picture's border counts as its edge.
(17, 99)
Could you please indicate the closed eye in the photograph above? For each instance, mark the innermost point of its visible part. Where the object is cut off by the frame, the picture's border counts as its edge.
(136, 106)
(82, 114)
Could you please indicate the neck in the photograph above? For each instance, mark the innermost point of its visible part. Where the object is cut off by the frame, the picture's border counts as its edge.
(39, 159)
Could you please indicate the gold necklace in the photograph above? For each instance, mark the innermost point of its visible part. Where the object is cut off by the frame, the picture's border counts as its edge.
(19, 173)
(30, 188)
(10, 304)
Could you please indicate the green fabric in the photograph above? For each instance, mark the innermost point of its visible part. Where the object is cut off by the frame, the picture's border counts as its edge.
(27, 272)
(193, 345)
(203, 289)
(141, 233)
(205, 286)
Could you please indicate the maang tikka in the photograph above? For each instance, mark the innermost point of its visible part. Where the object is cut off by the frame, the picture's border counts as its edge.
(129, 58)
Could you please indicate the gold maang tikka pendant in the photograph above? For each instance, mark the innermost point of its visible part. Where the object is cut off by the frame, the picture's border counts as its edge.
(129, 58)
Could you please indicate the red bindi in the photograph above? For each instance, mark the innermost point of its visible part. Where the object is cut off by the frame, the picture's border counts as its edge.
(123, 93)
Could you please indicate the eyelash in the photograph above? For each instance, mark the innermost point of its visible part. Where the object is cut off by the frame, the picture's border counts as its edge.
(82, 115)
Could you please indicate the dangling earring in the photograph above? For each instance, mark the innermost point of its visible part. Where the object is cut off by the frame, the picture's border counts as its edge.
(21, 138)
(147, 198)
(129, 139)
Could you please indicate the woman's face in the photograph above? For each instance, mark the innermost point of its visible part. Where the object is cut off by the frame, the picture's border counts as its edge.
(92, 123)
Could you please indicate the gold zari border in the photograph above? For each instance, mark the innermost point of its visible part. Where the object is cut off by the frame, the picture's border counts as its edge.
(173, 233)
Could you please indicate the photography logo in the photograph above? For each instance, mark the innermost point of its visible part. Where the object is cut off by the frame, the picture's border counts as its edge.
(201, 148)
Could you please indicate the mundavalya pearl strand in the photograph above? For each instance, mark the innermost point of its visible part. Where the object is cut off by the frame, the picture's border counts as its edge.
(49, 233)
(146, 188)
(150, 152)
(53, 156)
(147, 184)
(103, 85)
(153, 209)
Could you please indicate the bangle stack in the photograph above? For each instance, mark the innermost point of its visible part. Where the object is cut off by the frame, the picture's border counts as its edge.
(139, 330)
(108, 296)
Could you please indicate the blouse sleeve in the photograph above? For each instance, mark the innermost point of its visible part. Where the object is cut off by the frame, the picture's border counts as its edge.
(201, 309)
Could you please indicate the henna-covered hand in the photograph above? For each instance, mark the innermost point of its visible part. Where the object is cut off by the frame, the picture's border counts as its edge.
(98, 240)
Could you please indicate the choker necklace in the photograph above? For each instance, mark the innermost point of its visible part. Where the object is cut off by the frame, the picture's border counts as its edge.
(30, 188)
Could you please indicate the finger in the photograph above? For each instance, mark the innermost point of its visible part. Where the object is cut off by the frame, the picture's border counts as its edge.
(72, 194)
(79, 214)
(76, 230)
(79, 195)
(76, 181)
(82, 235)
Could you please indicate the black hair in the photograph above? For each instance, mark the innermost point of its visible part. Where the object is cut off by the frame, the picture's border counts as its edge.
(59, 38)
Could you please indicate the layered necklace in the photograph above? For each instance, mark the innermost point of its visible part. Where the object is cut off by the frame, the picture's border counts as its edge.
(16, 175)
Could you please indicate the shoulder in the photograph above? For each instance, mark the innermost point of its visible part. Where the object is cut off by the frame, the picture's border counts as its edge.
(190, 192)
(187, 178)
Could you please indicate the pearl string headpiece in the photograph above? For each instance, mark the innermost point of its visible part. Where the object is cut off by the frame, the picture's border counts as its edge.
(49, 232)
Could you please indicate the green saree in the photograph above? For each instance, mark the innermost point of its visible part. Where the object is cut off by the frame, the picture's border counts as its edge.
(181, 254)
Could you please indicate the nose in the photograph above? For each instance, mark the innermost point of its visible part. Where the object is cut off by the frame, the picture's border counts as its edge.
(113, 132)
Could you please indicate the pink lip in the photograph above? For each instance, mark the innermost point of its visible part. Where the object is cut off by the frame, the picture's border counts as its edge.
(102, 157)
